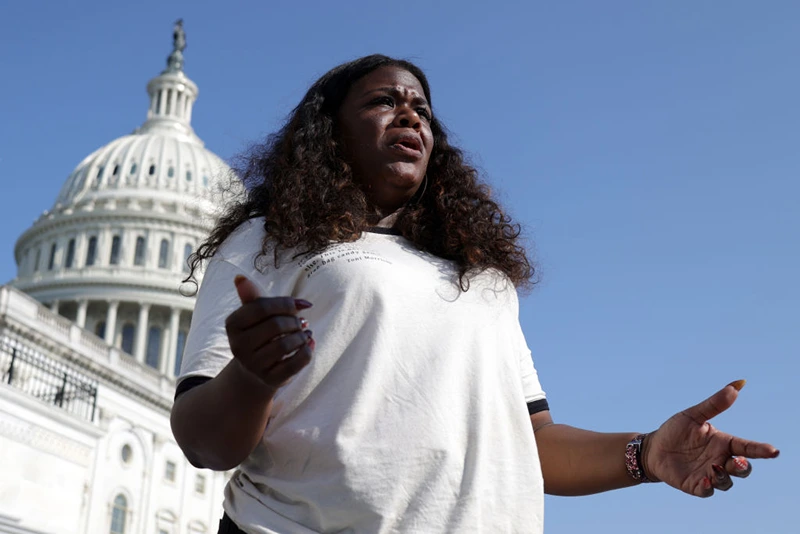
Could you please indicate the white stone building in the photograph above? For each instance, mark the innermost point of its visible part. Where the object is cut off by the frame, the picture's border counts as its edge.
(92, 330)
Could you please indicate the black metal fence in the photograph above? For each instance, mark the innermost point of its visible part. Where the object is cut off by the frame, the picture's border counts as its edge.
(46, 379)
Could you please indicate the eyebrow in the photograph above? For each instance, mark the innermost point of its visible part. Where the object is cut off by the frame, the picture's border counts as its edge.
(394, 91)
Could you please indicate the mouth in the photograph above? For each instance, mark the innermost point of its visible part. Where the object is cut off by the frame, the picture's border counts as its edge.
(408, 143)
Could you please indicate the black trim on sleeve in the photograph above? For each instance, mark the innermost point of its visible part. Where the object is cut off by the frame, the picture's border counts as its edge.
(382, 230)
(537, 406)
(188, 383)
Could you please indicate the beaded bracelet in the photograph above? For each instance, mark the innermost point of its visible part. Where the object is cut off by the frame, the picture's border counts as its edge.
(633, 459)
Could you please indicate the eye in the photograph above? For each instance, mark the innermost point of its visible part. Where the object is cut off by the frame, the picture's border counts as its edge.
(424, 112)
(384, 100)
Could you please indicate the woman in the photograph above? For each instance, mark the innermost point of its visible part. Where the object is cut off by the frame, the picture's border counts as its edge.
(405, 410)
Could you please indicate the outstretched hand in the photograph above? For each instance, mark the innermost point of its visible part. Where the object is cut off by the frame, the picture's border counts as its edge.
(266, 335)
(689, 454)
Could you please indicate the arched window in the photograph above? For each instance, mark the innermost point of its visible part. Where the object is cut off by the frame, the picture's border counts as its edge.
(116, 170)
(119, 512)
(170, 172)
(70, 254)
(187, 251)
(38, 259)
(138, 255)
(128, 331)
(179, 351)
(152, 170)
(115, 243)
(153, 347)
(188, 176)
(100, 329)
(133, 168)
(52, 261)
(163, 252)
(91, 251)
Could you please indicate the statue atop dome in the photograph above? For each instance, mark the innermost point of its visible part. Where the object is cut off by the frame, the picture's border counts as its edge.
(175, 59)
(178, 36)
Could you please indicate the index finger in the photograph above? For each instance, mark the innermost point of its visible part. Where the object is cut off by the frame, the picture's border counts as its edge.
(752, 449)
(261, 309)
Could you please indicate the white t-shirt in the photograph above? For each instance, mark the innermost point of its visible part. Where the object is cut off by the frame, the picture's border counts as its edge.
(411, 416)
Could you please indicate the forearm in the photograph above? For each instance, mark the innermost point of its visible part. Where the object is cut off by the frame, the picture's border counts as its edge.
(219, 423)
(580, 462)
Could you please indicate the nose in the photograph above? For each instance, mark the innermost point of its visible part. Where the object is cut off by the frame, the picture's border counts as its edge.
(407, 118)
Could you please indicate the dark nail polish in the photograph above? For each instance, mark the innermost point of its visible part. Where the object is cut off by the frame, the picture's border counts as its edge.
(706, 483)
(309, 334)
(719, 471)
(303, 323)
(311, 343)
(302, 304)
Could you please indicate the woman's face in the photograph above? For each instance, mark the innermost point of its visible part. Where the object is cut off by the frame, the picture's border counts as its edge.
(385, 128)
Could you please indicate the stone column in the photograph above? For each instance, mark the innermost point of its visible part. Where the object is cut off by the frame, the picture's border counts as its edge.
(173, 105)
(172, 344)
(80, 319)
(111, 321)
(141, 333)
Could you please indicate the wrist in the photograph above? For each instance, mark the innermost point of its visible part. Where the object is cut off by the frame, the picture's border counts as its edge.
(635, 459)
(246, 381)
(645, 458)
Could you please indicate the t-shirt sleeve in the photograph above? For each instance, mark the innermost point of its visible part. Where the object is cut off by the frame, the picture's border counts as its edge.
(207, 349)
(530, 378)
(534, 394)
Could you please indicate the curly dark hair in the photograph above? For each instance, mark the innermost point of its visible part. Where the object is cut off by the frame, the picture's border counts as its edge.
(300, 183)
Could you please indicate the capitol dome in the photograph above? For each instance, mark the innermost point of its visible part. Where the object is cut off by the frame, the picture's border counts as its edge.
(111, 252)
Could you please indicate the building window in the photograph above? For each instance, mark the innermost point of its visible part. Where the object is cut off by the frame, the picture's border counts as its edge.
(116, 170)
(118, 515)
(128, 331)
(91, 251)
(70, 254)
(138, 255)
(153, 347)
(179, 351)
(38, 259)
(200, 485)
(169, 471)
(126, 454)
(188, 176)
(171, 172)
(100, 329)
(152, 170)
(133, 168)
(205, 181)
(100, 174)
(187, 251)
(163, 252)
(115, 243)
(52, 261)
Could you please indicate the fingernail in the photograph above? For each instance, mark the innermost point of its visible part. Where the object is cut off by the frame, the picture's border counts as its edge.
(302, 304)
(738, 384)
(719, 471)
(309, 334)
(741, 463)
(238, 279)
(706, 483)
(303, 323)
(311, 343)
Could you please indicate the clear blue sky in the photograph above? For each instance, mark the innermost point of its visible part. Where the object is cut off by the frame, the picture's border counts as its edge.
(650, 149)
